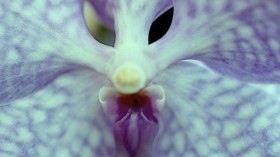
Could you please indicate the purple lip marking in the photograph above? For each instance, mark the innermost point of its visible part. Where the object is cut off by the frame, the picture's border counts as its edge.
(136, 125)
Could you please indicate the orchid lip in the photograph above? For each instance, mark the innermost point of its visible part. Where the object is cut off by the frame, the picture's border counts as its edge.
(134, 135)
(135, 117)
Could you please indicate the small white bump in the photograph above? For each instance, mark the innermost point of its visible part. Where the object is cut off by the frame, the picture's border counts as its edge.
(260, 123)
(56, 15)
(95, 139)
(63, 152)
(238, 144)
(274, 44)
(200, 126)
(76, 146)
(9, 146)
(12, 55)
(129, 78)
(164, 143)
(253, 152)
(87, 151)
(54, 130)
(38, 116)
(6, 120)
(56, 100)
(24, 135)
(246, 31)
(203, 148)
(275, 148)
(43, 150)
(180, 142)
(231, 129)
(213, 142)
(226, 100)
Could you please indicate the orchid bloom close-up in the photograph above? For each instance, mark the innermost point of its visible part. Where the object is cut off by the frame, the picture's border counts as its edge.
(208, 88)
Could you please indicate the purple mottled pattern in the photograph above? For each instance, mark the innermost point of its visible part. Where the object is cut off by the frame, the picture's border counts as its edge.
(20, 76)
(221, 116)
(218, 66)
(234, 37)
(249, 49)
(63, 119)
(39, 42)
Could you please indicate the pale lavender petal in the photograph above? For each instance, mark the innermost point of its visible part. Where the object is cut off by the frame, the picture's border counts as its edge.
(106, 8)
(62, 120)
(235, 37)
(172, 139)
(249, 49)
(39, 40)
(21, 79)
(223, 116)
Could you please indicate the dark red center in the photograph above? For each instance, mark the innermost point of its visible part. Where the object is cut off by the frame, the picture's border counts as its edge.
(137, 102)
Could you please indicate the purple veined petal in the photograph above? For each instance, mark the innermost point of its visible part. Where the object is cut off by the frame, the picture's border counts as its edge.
(39, 39)
(104, 9)
(250, 50)
(231, 33)
(223, 116)
(55, 28)
(63, 119)
(21, 79)
(132, 19)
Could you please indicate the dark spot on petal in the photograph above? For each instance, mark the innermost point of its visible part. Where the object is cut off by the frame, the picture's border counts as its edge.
(160, 26)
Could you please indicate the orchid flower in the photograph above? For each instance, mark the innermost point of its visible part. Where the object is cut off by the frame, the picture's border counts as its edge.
(207, 88)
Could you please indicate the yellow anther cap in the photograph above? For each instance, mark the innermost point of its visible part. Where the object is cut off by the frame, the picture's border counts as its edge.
(129, 78)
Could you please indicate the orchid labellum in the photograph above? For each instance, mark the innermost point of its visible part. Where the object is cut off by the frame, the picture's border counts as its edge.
(208, 88)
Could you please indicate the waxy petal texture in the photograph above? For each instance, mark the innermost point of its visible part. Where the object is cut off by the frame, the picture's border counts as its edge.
(235, 37)
(223, 116)
(62, 120)
(41, 39)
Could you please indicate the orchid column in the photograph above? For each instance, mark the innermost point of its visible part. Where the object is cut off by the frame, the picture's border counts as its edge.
(134, 102)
